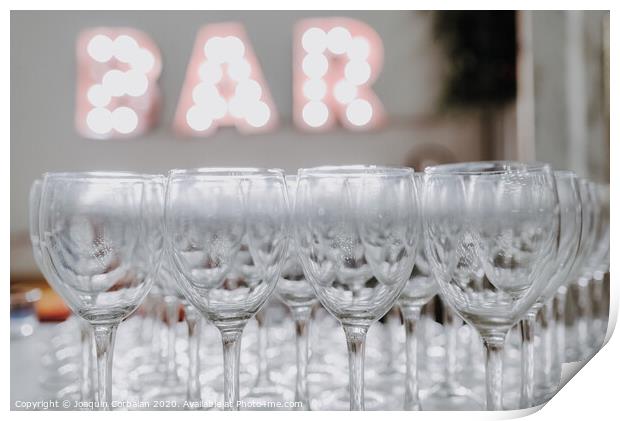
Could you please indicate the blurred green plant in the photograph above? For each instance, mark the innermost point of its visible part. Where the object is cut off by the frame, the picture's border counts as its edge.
(481, 49)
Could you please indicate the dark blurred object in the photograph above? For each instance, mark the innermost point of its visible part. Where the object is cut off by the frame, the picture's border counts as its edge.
(481, 48)
(23, 313)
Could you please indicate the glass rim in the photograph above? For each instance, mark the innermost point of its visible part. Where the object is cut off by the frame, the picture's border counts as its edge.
(101, 176)
(484, 168)
(355, 171)
(222, 172)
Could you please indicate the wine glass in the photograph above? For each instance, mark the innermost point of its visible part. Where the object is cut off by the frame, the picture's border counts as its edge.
(297, 293)
(502, 217)
(208, 214)
(580, 347)
(356, 230)
(572, 228)
(591, 332)
(556, 272)
(92, 227)
(85, 390)
(566, 353)
(601, 266)
(193, 320)
(419, 290)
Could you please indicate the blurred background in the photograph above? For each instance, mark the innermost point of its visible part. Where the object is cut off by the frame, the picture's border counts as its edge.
(456, 86)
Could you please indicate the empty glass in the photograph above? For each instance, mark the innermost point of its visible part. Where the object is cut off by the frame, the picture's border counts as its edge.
(556, 274)
(503, 218)
(601, 266)
(419, 289)
(209, 213)
(85, 391)
(92, 227)
(356, 229)
(297, 293)
(581, 347)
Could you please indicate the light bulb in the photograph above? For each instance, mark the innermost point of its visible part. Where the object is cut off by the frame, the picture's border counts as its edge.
(99, 120)
(357, 71)
(100, 48)
(210, 72)
(315, 89)
(197, 118)
(258, 114)
(125, 48)
(359, 112)
(338, 40)
(345, 91)
(315, 65)
(124, 120)
(315, 113)
(314, 40)
(98, 96)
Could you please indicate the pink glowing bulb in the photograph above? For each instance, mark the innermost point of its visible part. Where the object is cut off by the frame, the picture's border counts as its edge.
(335, 63)
(117, 91)
(224, 85)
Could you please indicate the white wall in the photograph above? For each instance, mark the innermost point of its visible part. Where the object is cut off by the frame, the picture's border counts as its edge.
(42, 100)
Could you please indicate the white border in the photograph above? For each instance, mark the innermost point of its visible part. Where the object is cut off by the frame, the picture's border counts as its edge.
(593, 392)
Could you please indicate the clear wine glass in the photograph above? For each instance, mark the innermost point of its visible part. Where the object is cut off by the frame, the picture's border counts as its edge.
(556, 273)
(92, 227)
(601, 266)
(86, 339)
(580, 348)
(419, 290)
(193, 321)
(356, 230)
(297, 293)
(502, 217)
(552, 313)
(208, 214)
(566, 353)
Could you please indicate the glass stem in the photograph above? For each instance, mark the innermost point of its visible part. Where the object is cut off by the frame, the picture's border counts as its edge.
(172, 316)
(145, 329)
(411, 316)
(584, 315)
(598, 307)
(86, 347)
(550, 363)
(262, 377)
(451, 323)
(560, 316)
(527, 325)
(356, 344)
(104, 345)
(391, 319)
(494, 347)
(192, 319)
(302, 322)
(231, 342)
